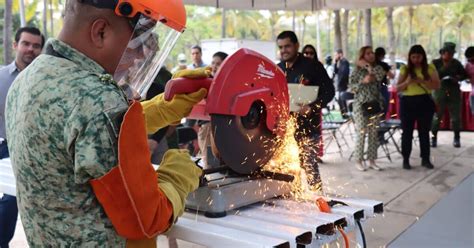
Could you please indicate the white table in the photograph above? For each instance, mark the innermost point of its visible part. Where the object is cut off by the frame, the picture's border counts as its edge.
(277, 223)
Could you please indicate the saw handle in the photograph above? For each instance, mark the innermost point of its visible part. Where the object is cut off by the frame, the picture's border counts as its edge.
(185, 86)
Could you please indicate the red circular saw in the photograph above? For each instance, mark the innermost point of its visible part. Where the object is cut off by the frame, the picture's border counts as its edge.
(248, 106)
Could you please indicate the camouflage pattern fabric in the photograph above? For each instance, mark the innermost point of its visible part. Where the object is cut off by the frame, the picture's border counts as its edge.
(61, 135)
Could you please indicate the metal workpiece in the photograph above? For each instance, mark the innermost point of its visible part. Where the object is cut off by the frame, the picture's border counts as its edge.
(316, 226)
(217, 236)
(371, 207)
(222, 195)
(291, 207)
(7, 179)
(350, 213)
(295, 235)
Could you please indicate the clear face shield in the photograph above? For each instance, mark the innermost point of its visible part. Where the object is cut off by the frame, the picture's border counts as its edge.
(144, 56)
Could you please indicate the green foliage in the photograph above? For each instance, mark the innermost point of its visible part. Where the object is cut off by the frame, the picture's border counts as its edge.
(432, 25)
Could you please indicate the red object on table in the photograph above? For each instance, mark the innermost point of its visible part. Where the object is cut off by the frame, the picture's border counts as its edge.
(467, 118)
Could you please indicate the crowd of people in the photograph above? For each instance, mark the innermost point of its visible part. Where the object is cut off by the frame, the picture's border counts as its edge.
(68, 104)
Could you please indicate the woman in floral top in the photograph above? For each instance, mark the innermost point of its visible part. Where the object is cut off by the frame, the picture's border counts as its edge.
(365, 82)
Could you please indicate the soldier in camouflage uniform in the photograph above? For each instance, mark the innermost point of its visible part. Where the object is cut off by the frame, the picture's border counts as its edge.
(62, 136)
(451, 72)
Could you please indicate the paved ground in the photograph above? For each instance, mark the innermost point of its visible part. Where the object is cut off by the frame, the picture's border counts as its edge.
(407, 195)
(435, 227)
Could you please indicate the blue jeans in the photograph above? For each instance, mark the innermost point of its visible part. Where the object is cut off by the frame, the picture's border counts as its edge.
(8, 210)
(8, 217)
(386, 98)
(4, 150)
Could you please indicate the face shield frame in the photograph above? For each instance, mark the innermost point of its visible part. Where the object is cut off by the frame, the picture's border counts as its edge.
(149, 46)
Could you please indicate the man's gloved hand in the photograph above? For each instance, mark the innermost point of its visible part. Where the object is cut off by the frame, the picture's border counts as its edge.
(160, 113)
(203, 72)
(178, 176)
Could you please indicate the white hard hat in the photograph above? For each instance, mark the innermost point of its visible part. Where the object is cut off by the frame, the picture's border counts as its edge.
(181, 59)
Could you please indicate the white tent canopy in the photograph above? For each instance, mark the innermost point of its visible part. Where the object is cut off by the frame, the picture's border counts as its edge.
(308, 5)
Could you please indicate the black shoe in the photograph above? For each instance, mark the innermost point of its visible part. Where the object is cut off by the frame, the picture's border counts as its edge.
(434, 142)
(406, 165)
(457, 142)
(427, 164)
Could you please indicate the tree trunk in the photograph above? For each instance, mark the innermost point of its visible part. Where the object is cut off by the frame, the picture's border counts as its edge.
(345, 32)
(460, 24)
(45, 18)
(398, 38)
(391, 35)
(22, 13)
(337, 31)
(318, 35)
(7, 32)
(224, 23)
(440, 36)
(411, 12)
(294, 21)
(304, 29)
(368, 27)
(273, 23)
(329, 32)
(51, 20)
(359, 30)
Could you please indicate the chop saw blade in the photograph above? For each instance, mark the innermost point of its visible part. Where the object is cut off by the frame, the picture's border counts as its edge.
(244, 142)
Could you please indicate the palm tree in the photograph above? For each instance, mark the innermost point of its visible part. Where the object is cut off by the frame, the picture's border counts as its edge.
(7, 32)
(273, 21)
(337, 30)
(45, 18)
(223, 23)
(303, 22)
(462, 14)
(391, 35)
(22, 13)
(318, 34)
(368, 27)
(51, 17)
(294, 21)
(359, 29)
(329, 31)
(411, 13)
(345, 32)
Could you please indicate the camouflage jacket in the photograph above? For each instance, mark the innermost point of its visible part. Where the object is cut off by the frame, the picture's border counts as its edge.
(60, 136)
(366, 92)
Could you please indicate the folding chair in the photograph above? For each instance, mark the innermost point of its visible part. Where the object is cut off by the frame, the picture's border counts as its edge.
(333, 129)
(391, 127)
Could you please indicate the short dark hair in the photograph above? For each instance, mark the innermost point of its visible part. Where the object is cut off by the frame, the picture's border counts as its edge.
(339, 51)
(197, 47)
(288, 34)
(469, 53)
(380, 51)
(30, 30)
(221, 55)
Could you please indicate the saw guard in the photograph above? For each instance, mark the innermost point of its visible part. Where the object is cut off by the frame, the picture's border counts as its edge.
(246, 77)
